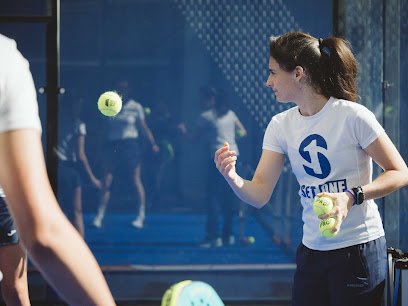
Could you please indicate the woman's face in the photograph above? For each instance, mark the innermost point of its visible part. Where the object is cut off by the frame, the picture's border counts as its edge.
(283, 83)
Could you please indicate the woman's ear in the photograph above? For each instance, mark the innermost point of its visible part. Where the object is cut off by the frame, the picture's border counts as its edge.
(299, 72)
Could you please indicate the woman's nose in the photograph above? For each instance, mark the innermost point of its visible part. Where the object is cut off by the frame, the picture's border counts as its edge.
(268, 83)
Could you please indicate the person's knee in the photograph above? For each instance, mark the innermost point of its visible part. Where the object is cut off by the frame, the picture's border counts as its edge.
(107, 180)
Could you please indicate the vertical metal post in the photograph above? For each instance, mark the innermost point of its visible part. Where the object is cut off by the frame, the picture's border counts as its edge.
(335, 17)
(52, 90)
(391, 103)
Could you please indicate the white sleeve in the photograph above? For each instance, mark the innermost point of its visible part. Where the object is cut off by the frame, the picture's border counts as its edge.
(271, 139)
(367, 127)
(18, 99)
(234, 116)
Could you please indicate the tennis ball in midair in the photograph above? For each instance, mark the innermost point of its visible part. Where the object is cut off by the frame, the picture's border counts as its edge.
(322, 205)
(109, 103)
(326, 227)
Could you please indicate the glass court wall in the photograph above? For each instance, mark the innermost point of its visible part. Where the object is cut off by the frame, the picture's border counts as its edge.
(377, 32)
(161, 53)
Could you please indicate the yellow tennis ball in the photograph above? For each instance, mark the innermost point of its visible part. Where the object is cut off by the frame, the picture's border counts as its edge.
(251, 239)
(109, 103)
(326, 227)
(148, 111)
(247, 240)
(239, 133)
(322, 205)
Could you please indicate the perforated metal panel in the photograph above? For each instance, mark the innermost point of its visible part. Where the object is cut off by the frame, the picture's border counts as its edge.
(236, 35)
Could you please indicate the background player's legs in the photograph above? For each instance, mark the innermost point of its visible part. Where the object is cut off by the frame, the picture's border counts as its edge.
(212, 208)
(137, 178)
(104, 199)
(13, 264)
(228, 202)
(70, 194)
(229, 206)
(244, 210)
(78, 217)
(212, 222)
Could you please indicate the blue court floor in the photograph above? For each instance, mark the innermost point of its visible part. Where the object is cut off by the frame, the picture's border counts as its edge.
(140, 264)
(174, 238)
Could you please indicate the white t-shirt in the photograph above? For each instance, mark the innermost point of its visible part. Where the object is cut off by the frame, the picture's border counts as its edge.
(124, 125)
(326, 153)
(18, 98)
(218, 130)
(66, 150)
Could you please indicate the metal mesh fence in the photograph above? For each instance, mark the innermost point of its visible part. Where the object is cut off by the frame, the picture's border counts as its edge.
(235, 33)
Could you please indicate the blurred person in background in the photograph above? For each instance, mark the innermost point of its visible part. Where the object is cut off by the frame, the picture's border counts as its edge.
(125, 153)
(217, 125)
(73, 160)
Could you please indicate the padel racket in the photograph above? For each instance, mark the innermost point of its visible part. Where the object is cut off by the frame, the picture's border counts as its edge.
(191, 293)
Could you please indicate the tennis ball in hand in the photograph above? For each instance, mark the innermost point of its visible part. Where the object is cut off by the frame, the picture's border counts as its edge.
(322, 205)
(326, 227)
(109, 103)
(147, 110)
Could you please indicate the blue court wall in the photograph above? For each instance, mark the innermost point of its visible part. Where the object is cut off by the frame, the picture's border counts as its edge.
(167, 50)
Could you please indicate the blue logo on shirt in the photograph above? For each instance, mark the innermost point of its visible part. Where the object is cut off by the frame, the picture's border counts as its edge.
(312, 150)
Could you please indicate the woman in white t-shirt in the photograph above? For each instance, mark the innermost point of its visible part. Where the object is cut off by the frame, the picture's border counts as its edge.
(215, 126)
(330, 141)
(125, 154)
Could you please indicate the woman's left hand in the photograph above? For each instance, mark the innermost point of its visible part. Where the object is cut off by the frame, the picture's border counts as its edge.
(343, 201)
(155, 148)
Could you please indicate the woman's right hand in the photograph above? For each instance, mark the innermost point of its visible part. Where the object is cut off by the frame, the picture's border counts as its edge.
(225, 161)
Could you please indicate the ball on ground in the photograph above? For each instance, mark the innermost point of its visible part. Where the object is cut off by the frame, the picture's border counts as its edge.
(326, 227)
(251, 239)
(322, 205)
(109, 103)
